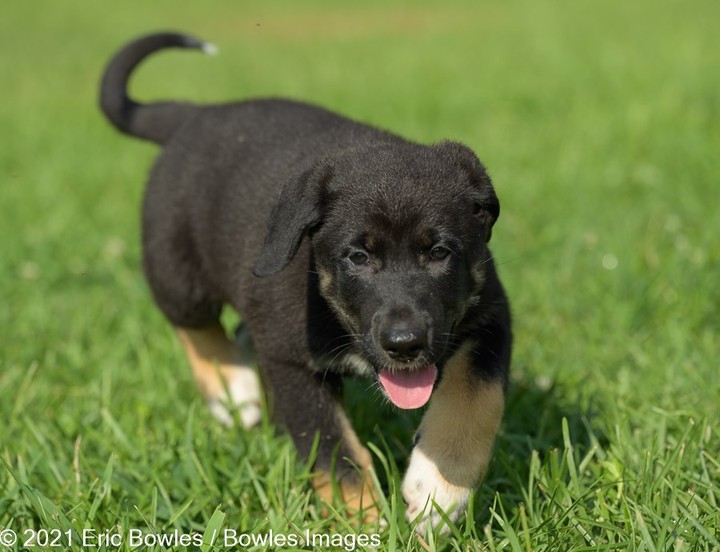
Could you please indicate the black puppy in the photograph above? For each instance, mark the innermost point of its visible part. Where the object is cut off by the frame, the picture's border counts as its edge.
(348, 251)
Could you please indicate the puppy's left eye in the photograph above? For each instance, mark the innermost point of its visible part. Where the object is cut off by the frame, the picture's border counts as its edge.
(439, 253)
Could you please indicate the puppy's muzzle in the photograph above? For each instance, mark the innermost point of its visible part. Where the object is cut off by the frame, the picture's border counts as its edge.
(409, 376)
(403, 334)
(403, 343)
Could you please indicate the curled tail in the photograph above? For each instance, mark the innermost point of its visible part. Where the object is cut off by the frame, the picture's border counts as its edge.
(155, 121)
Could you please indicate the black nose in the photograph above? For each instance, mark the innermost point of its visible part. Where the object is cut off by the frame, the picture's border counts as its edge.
(403, 344)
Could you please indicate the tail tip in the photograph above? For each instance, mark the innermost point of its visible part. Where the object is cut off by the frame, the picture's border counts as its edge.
(189, 41)
(209, 48)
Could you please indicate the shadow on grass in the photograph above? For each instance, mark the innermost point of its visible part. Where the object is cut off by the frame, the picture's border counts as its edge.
(534, 415)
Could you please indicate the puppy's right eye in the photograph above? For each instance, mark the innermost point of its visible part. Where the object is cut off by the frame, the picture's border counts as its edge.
(359, 258)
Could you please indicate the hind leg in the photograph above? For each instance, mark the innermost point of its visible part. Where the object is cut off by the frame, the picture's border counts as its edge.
(223, 373)
(222, 370)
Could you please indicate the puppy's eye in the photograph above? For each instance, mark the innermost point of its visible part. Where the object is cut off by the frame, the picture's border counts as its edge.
(439, 253)
(359, 258)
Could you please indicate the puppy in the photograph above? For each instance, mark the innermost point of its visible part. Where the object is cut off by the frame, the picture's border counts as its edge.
(348, 251)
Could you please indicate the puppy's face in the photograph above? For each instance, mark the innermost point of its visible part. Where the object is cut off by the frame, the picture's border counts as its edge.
(400, 246)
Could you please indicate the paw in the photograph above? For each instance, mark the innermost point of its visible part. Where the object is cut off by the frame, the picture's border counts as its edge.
(242, 394)
(424, 487)
(359, 496)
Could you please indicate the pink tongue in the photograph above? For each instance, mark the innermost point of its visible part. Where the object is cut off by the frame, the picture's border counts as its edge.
(409, 389)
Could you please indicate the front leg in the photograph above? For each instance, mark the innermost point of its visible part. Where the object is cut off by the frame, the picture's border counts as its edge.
(454, 441)
(309, 404)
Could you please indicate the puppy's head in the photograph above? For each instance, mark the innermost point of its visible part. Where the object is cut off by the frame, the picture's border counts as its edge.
(399, 234)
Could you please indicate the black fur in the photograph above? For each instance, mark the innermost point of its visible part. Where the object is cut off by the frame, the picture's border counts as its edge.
(328, 236)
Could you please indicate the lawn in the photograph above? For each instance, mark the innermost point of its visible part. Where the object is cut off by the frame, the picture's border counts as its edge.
(600, 125)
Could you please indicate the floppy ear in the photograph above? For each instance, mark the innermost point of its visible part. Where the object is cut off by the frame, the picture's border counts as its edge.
(297, 211)
(486, 206)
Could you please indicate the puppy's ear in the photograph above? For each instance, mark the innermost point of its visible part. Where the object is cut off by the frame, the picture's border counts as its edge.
(486, 206)
(297, 211)
(487, 210)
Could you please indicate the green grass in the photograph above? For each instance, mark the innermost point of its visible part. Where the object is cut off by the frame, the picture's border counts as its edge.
(600, 125)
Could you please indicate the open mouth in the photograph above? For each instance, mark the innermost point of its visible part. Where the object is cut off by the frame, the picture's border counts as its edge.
(408, 389)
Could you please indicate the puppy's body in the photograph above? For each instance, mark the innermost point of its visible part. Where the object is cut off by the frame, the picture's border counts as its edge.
(198, 200)
(374, 263)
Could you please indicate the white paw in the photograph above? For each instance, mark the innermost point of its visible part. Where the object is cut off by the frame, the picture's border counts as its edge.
(423, 485)
(243, 395)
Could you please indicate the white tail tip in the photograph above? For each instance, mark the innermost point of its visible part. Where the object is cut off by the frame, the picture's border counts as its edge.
(209, 48)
